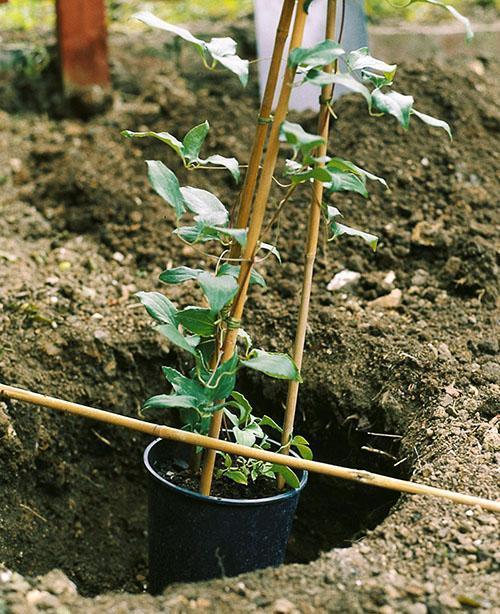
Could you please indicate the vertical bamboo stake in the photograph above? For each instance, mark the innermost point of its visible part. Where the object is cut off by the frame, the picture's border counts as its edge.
(259, 210)
(263, 122)
(311, 247)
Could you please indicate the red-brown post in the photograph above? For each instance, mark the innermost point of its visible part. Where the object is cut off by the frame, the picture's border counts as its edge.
(83, 46)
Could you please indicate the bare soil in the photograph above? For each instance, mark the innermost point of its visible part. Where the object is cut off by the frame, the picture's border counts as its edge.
(401, 377)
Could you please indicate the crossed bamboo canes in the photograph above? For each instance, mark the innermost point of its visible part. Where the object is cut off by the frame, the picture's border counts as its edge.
(167, 432)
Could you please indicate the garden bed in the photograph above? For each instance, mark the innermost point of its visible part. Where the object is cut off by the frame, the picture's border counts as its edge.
(414, 357)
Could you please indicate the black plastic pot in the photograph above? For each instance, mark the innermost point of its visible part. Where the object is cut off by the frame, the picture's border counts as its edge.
(193, 537)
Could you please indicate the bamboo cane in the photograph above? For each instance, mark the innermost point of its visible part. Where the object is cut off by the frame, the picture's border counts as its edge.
(311, 248)
(263, 122)
(259, 210)
(167, 432)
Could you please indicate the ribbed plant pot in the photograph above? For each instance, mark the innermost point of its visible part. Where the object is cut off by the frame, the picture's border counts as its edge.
(193, 537)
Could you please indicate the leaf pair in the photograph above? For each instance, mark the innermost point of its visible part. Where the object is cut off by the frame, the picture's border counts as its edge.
(217, 50)
(189, 148)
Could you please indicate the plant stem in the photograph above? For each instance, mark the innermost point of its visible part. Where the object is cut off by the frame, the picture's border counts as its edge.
(263, 122)
(259, 210)
(311, 248)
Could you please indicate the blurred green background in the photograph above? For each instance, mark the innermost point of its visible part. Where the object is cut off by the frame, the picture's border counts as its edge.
(27, 14)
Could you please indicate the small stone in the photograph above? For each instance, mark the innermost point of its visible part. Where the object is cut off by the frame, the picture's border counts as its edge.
(388, 301)
(449, 601)
(446, 401)
(343, 279)
(389, 278)
(135, 216)
(284, 606)
(16, 165)
(51, 349)
(420, 278)
(119, 257)
(491, 440)
(42, 600)
(491, 371)
(424, 162)
(65, 265)
(57, 583)
(52, 280)
(88, 292)
(241, 589)
(100, 334)
(452, 391)
(97, 316)
(416, 608)
(444, 352)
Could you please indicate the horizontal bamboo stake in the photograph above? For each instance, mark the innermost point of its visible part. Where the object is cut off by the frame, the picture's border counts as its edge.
(167, 432)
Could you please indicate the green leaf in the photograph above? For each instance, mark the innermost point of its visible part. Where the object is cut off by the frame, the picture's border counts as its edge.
(155, 22)
(166, 185)
(300, 173)
(208, 208)
(184, 385)
(243, 405)
(234, 270)
(158, 306)
(223, 50)
(231, 164)
(346, 165)
(233, 418)
(302, 446)
(288, 475)
(345, 182)
(197, 234)
(165, 401)
(316, 77)
(243, 437)
(179, 275)
(295, 135)
(164, 137)
(332, 213)
(197, 320)
(236, 476)
(321, 54)
(194, 139)
(432, 121)
(272, 249)
(171, 332)
(469, 34)
(360, 59)
(341, 229)
(220, 384)
(219, 290)
(268, 421)
(274, 364)
(393, 103)
(238, 234)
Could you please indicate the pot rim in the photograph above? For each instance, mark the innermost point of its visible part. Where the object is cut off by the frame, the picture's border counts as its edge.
(219, 500)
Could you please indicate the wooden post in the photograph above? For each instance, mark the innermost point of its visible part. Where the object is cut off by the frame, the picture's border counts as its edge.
(83, 48)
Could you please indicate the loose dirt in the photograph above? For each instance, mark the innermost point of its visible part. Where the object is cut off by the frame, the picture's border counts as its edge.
(401, 370)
